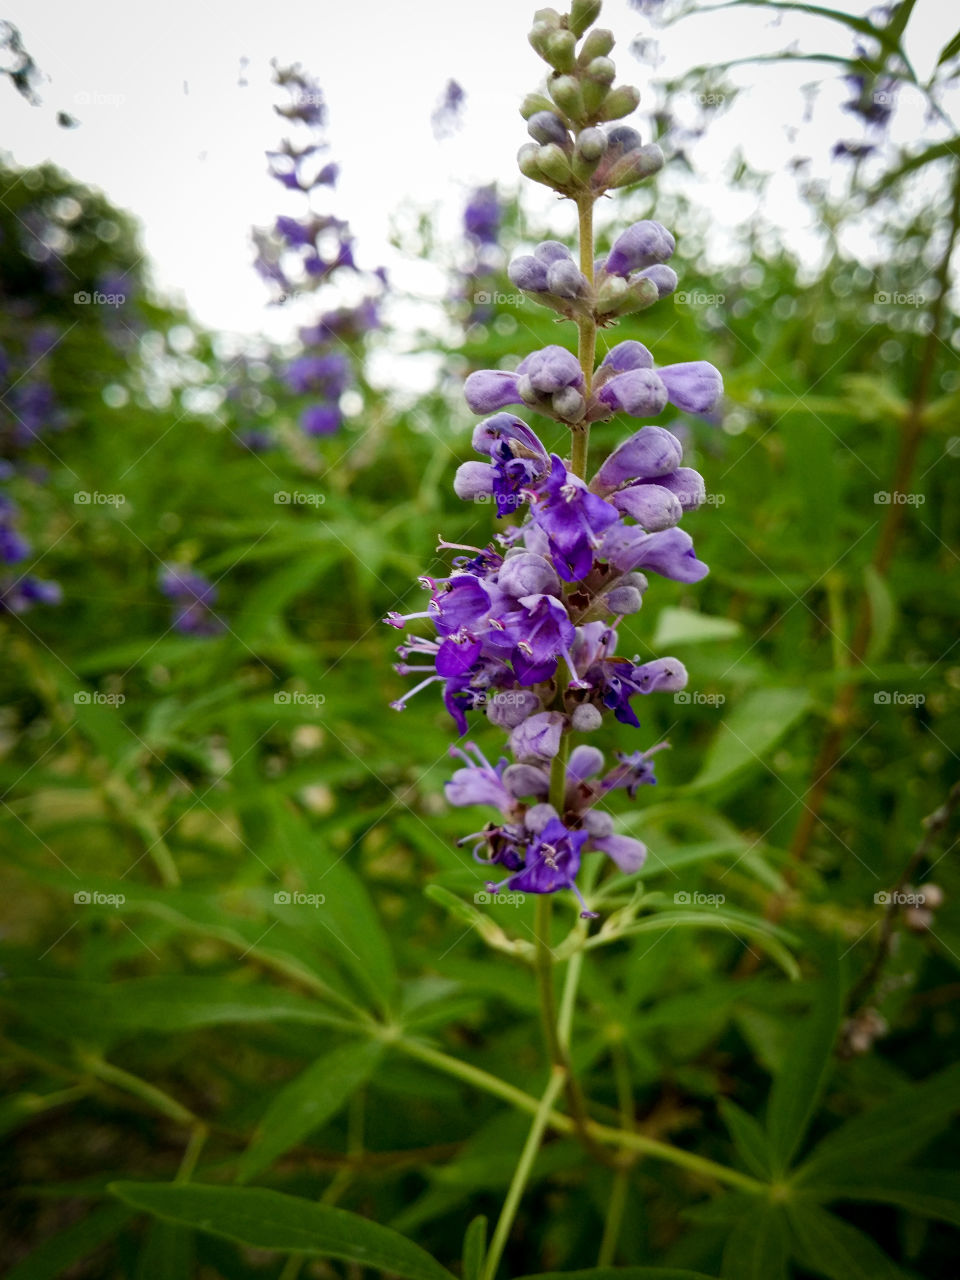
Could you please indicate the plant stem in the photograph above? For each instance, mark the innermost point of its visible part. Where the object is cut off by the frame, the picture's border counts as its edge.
(195, 1145)
(587, 339)
(600, 1133)
(621, 1179)
(522, 1172)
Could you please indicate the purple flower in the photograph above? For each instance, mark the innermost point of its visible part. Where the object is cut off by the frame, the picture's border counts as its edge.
(573, 519)
(479, 782)
(641, 245)
(321, 420)
(694, 387)
(552, 861)
(193, 596)
(537, 738)
(481, 217)
(669, 553)
(648, 454)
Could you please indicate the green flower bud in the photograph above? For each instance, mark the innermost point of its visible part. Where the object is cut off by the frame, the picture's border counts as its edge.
(527, 161)
(553, 164)
(618, 297)
(596, 45)
(596, 83)
(583, 14)
(620, 102)
(561, 50)
(591, 144)
(635, 166)
(566, 94)
(550, 17)
(533, 103)
(539, 36)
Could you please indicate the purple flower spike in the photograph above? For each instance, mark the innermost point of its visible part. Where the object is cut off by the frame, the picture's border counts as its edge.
(641, 393)
(538, 738)
(694, 387)
(490, 389)
(321, 420)
(641, 245)
(669, 553)
(648, 454)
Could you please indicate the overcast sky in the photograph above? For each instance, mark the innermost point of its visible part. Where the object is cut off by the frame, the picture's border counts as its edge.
(175, 104)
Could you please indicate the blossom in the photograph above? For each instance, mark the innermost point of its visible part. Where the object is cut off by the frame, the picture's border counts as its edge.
(193, 597)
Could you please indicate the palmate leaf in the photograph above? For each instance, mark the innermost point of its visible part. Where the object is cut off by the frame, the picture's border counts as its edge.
(287, 1224)
(307, 1102)
(797, 1088)
(758, 1248)
(749, 1138)
(931, 1193)
(621, 1273)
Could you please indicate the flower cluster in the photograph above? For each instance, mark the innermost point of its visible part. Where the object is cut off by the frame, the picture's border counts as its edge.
(299, 255)
(193, 599)
(525, 628)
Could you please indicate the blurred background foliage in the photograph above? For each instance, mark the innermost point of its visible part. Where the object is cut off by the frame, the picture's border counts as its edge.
(803, 1023)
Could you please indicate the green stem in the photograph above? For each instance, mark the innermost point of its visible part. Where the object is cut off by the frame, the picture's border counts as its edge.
(198, 1138)
(132, 1084)
(543, 967)
(568, 1000)
(587, 340)
(621, 1179)
(601, 1133)
(522, 1172)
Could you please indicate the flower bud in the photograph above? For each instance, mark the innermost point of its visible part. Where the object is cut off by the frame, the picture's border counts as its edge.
(624, 600)
(533, 103)
(508, 708)
(584, 719)
(560, 51)
(474, 480)
(546, 126)
(568, 404)
(649, 452)
(620, 102)
(583, 14)
(526, 574)
(554, 165)
(641, 245)
(635, 166)
(687, 487)
(565, 92)
(527, 161)
(528, 274)
(598, 77)
(623, 357)
(566, 280)
(591, 144)
(545, 23)
(663, 675)
(597, 822)
(584, 762)
(551, 251)
(490, 389)
(618, 297)
(525, 780)
(629, 854)
(663, 277)
(640, 393)
(651, 505)
(596, 45)
(538, 738)
(537, 817)
(694, 387)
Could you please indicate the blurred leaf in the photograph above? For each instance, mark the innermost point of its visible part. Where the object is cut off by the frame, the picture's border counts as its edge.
(749, 1138)
(759, 1246)
(686, 626)
(269, 1220)
(307, 1102)
(832, 1248)
(167, 1253)
(474, 1248)
(58, 1254)
(748, 733)
(883, 614)
(931, 1193)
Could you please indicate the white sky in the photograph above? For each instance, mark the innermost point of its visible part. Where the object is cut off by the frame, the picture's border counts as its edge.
(169, 134)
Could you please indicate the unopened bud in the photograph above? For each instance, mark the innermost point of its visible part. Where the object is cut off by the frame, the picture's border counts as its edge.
(533, 103)
(568, 404)
(598, 77)
(527, 161)
(546, 126)
(554, 165)
(583, 14)
(596, 45)
(635, 166)
(566, 280)
(561, 51)
(620, 102)
(542, 30)
(565, 92)
(624, 600)
(586, 718)
(591, 144)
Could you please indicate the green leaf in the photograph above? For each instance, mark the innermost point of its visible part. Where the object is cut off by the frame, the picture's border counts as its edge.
(686, 626)
(749, 732)
(269, 1220)
(797, 1088)
(885, 1135)
(830, 1247)
(758, 1248)
(57, 1254)
(474, 1248)
(931, 1193)
(883, 614)
(949, 50)
(96, 1010)
(748, 1137)
(167, 1253)
(307, 1102)
(621, 1273)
